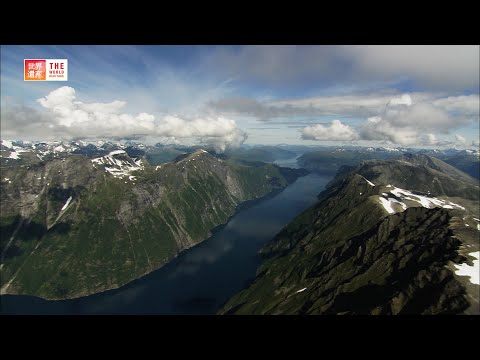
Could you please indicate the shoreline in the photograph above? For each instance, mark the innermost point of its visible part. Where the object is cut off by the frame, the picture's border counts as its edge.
(240, 207)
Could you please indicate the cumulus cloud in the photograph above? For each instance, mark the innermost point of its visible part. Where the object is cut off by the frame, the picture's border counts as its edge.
(218, 131)
(335, 132)
(94, 119)
(65, 117)
(402, 123)
(414, 120)
(378, 129)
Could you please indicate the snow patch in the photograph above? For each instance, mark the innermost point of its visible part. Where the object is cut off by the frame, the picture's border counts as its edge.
(425, 201)
(67, 203)
(388, 204)
(471, 271)
(116, 167)
(13, 155)
(7, 143)
(369, 182)
(301, 290)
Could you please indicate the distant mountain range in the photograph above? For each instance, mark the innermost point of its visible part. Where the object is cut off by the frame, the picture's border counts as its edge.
(329, 160)
(386, 237)
(154, 154)
(79, 218)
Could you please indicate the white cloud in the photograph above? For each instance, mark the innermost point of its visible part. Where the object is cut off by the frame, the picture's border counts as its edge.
(335, 132)
(403, 122)
(405, 99)
(219, 131)
(378, 129)
(429, 139)
(354, 105)
(460, 139)
(95, 119)
(402, 119)
(65, 117)
(421, 116)
(468, 105)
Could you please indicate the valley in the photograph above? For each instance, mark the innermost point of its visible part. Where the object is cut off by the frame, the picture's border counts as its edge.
(73, 225)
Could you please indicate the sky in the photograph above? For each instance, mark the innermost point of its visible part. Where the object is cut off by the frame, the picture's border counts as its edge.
(376, 95)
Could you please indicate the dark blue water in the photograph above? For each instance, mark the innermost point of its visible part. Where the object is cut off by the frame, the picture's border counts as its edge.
(202, 278)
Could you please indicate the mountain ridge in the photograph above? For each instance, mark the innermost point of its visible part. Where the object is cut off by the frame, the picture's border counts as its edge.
(371, 247)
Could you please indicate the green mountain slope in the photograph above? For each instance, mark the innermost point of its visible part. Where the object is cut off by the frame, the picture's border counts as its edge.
(76, 226)
(373, 246)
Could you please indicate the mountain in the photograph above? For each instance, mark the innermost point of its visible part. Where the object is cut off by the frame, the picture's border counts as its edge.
(329, 161)
(467, 161)
(74, 224)
(162, 154)
(418, 172)
(261, 153)
(386, 237)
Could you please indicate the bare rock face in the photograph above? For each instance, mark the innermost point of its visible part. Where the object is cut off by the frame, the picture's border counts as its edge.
(76, 224)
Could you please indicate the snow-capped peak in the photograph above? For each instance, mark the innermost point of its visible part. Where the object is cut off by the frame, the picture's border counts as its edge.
(119, 167)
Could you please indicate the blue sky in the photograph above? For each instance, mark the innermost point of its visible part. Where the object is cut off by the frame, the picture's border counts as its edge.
(228, 95)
